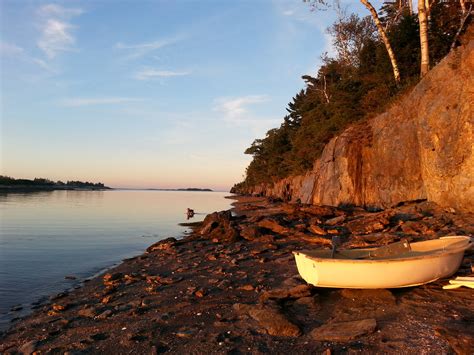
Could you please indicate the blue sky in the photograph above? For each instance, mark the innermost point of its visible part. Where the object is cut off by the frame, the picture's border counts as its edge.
(149, 93)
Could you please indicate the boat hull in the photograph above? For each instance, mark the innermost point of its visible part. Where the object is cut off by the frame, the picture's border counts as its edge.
(427, 262)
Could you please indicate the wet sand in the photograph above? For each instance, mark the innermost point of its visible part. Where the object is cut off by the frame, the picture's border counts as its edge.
(232, 287)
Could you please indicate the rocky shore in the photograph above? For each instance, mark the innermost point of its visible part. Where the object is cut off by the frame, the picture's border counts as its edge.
(232, 287)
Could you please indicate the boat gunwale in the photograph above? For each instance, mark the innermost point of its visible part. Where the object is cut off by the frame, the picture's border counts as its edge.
(434, 255)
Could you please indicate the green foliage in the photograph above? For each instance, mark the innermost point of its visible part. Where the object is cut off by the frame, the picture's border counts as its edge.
(357, 83)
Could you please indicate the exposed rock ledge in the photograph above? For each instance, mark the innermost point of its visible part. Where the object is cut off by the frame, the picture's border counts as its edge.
(421, 148)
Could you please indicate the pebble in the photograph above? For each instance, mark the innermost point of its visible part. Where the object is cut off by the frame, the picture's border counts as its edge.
(58, 307)
(247, 288)
(200, 293)
(185, 333)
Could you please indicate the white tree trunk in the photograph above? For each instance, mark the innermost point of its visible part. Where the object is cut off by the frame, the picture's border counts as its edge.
(463, 6)
(425, 55)
(428, 7)
(383, 36)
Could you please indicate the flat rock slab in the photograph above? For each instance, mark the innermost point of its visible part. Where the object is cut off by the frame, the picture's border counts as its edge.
(283, 293)
(344, 331)
(270, 319)
(273, 225)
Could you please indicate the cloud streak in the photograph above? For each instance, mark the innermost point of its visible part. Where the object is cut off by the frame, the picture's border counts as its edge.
(236, 112)
(141, 49)
(81, 101)
(236, 108)
(151, 73)
(56, 30)
(10, 49)
(51, 10)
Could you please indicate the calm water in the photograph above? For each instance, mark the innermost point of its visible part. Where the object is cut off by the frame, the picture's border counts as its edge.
(47, 235)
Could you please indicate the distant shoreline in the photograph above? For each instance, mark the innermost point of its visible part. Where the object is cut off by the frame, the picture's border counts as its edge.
(26, 188)
(50, 188)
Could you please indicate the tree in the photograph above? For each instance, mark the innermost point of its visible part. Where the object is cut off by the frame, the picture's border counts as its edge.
(382, 33)
(349, 34)
(383, 36)
(424, 46)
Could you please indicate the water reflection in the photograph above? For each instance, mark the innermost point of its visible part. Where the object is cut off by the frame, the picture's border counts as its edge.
(45, 236)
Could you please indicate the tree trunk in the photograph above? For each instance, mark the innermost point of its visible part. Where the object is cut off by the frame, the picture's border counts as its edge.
(425, 55)
(383, 36)
(427, 7)
(410, 7)
(463, 6)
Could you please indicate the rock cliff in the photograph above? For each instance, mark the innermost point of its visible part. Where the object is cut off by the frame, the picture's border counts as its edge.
(420, 148)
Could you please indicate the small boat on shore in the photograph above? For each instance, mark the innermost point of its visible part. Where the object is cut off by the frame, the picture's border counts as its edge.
(421, 263)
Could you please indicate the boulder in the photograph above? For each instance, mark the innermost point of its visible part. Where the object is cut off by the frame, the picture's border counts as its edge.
(218, 226)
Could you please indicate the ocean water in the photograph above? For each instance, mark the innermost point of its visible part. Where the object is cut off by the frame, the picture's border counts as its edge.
(45, 236)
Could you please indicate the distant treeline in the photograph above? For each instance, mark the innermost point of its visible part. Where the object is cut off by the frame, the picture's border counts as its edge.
(6, 181)
(355, 83)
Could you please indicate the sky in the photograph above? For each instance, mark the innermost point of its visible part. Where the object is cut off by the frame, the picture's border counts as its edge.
(149, 94)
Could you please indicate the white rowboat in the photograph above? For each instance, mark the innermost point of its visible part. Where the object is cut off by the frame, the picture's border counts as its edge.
(426, 262)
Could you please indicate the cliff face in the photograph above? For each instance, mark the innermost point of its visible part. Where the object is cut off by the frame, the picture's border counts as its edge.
(421, 148)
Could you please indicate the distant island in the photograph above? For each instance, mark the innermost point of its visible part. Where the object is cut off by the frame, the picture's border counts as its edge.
(40, 184)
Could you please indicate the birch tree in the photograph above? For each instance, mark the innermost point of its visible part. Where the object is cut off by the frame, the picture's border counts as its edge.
(424, 44)
(384, 38)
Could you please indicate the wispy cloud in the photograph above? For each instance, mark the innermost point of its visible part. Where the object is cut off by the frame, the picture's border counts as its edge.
(82, 101)
(151, 73)
(236, 108)
(236, 112)
(10, 49)
(45, 65)
(141, 49)
(56, 29)
(51, 10)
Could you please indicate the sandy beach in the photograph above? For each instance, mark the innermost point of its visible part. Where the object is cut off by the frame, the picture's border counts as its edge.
(232, 287)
